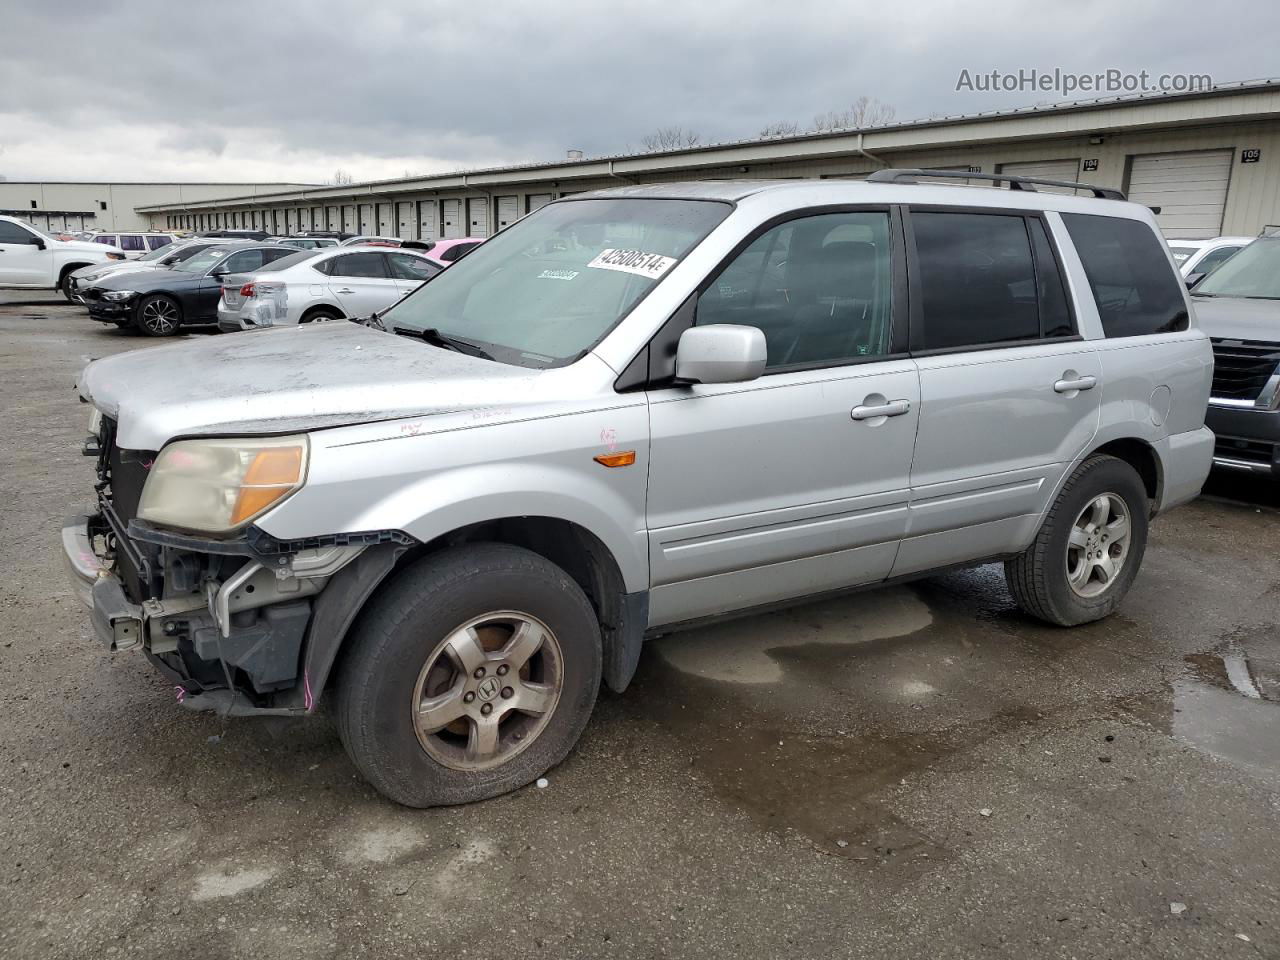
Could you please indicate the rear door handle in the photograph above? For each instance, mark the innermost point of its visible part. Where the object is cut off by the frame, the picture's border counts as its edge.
(346, 290)
(1079, 383)
(894, 408)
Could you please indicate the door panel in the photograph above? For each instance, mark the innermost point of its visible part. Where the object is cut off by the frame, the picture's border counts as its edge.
(25, 263)
(769, 490)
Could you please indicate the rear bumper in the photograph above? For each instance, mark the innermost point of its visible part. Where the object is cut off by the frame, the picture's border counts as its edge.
(229, 321)
(1185, 460)
(1248, 439)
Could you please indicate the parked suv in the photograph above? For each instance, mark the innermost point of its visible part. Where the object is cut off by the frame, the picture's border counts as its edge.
(31, 259)
(1239, 308)
(631, 410)
(135, 245)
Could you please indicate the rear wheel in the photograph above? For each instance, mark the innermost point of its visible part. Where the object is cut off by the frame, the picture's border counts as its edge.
(158, 316)
(474, 672)
(1087, 553)
(320, 314)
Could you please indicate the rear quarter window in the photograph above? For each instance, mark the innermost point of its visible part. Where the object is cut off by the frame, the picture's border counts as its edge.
(1137, 290)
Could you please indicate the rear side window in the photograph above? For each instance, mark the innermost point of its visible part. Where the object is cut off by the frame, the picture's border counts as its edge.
(976, 278)
(105, 238)
(159, 241)
(131, 242)
(1135, 287)
(359, 265)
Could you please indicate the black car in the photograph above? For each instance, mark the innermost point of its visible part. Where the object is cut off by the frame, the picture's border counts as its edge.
(1238, 306)
(158, 302)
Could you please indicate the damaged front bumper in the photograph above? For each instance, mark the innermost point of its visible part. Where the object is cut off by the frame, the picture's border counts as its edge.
(225, 623)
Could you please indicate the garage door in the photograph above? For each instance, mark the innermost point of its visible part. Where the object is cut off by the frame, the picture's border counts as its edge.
(348, 218)
(1068, 170)
(536, 200)
(366, 218)
(318, 221)
(426, 219)
(386, 228)
(508, 211)
(451, 219)
(478, 217)
(333, 218)
(1189, 188)
(404, 221)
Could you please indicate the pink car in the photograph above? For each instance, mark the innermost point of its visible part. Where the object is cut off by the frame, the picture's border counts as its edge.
(444, 252)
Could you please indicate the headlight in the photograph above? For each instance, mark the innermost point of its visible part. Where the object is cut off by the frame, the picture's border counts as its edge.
(90, 277)
(115, 256)
(119, 295)
(216, 486)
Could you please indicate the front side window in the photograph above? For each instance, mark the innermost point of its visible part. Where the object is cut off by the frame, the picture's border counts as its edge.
(131, 242)
(363, 265)
(12, 233)
(246, 261)
(548, 288)
(404, 266)
(976, 278)
(1133, 284)
(1214, 259)
(819, 288)
(159, 241)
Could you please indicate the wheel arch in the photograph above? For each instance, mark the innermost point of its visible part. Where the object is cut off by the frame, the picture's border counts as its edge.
(309, 314)
(1142, 456)
(571, 546)
(68, 267)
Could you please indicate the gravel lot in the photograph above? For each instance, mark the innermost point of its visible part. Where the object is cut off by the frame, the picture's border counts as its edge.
(916, 772)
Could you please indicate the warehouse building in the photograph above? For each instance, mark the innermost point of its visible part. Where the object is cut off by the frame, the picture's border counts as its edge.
(1208, 160)
(56, 206)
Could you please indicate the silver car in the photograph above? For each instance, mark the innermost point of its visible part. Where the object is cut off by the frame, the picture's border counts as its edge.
(632, 410)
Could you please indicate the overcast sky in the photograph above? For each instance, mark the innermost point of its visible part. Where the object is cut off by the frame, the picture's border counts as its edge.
(278, 90)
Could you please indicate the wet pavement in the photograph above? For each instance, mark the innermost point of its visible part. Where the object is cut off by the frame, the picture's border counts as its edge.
(914, 772)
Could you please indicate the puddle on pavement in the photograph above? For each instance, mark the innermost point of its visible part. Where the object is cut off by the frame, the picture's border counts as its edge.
(1226, 703)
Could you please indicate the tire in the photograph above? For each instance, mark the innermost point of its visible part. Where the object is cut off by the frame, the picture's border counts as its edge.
(398, 651)
(1064, 581)
(64, 284)
(320, 315)
(158, 316)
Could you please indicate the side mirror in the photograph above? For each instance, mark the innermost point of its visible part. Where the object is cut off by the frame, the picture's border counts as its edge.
(1192, 279)
(40, 244)
(720, 353)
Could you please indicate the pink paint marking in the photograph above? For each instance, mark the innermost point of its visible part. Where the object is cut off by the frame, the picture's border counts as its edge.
(181, 691)
(308, 701)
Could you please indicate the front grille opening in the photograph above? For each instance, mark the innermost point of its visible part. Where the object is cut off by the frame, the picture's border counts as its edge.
(1248, 451)
(1241, 368)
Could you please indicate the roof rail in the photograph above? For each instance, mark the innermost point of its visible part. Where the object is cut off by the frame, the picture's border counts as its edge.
(895, 175)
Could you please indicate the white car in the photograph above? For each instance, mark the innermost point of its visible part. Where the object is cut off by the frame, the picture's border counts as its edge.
(135, 243)
(161, 258)
(1205, 256)
(31, 259)
(313, 285)
(370, 239)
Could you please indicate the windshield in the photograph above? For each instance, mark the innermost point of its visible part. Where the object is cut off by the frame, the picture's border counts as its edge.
(1254, 272)
(202, 261)
(1180, 254)
(546, 289)
(34, 229)
(158, 253)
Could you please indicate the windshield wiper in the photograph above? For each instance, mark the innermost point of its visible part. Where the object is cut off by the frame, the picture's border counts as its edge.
(445, 341)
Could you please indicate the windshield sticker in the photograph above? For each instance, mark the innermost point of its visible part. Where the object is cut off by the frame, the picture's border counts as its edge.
(638, 262)
(557, 274)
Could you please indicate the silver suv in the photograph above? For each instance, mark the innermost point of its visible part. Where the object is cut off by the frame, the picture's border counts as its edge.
(636, 409)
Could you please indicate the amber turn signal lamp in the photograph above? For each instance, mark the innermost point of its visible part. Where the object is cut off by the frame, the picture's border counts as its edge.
(624, 458)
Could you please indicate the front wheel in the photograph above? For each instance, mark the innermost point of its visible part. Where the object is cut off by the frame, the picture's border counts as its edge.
(158, 316)
(1087, 553)
(471, 674)
(65, 286)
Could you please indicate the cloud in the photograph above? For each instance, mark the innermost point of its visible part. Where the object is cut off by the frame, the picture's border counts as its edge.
(292, 90)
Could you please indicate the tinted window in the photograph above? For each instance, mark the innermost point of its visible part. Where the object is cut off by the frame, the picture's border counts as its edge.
(977, 280)
(108, 239)
(271, 256)
(457, 250)
(157, 242)
(246, 261)
(820, 288)
(1212, 261)
(131, 242)
(359, 265)
(1055, 315)
(406, 267)
(12, 233)
(294, 258)
(1133, 283)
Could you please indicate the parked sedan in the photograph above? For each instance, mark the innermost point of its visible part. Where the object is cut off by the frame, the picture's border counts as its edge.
(159, 302)
(321, 285)
(303, 243)
(162, 258)
(365, 240)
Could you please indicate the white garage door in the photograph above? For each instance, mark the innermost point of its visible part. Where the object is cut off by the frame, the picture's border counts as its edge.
(536, 200)
(1189, 188)
(385, 226)
(478, 217)
(451, 219)
(349, 224)
(404, 221)
(426, 219)
(1068, 170)
(508, 211)
(334, 218)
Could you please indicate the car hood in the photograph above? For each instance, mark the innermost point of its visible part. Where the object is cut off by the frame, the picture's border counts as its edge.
(1239, 318)
(127, 279)
(110, 268)
(290, 380)
(87, 245)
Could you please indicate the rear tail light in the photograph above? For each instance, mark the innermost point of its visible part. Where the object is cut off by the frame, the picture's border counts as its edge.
(247, 290)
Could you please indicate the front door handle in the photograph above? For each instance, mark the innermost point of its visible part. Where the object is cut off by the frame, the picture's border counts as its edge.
(894, 408)
(1076, 384)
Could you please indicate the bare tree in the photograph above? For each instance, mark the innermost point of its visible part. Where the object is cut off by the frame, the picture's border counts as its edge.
(670, 138)
(783, 128)
(341, 178)
(865, 112)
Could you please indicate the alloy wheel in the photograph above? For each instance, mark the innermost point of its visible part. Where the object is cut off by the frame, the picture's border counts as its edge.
(1098, 545)
(160, 316)
(487, 690)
